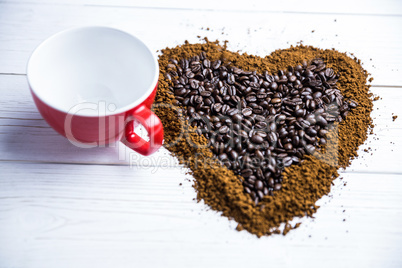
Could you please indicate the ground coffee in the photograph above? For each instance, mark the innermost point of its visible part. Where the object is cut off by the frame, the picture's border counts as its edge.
(301, 185)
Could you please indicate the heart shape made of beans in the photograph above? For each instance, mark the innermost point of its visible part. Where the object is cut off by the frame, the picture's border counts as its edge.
(263, 137)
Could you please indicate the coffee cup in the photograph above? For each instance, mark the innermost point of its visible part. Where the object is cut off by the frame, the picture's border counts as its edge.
(94, 85)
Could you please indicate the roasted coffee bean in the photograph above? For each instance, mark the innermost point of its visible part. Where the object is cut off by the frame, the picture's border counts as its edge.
(257, 139)
(353, 104)
(216, 64)
(310, 118)
(274, 86)
(276, 100)
(299, 112)
(311, 131)
(259, 173)
(231, 79)
(322, 133)
(180, 92)
(197, 99)
(250, 147)
(287, 161)
(207, 63)
(277, 186)
(237, 117)
(280, 119)
(321, 121)
(223, 157)
(295, 141)
(232, 111)
(251, 98)
(233, 154)
(225, 108)
(259, 185)
(259, 154)
(317, 95)
(295, 160)
(190, 110)
(261, 133)
(246, 172)
(223, 129)
(309, 139)
(288, 146)
(247, 111)
(205, 93)
(258, 124)
(260, 195)
(310, 149)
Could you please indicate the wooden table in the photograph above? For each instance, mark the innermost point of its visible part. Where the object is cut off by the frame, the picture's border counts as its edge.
(63, 206)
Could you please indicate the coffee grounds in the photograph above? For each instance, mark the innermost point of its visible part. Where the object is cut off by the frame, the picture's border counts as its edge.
(302, 185)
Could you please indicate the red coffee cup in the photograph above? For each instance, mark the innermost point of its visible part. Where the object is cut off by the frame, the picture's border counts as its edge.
(94, 85)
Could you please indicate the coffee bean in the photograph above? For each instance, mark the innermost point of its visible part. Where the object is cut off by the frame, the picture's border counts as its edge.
(280, 119)
(287, 161)
(216, 64)
(317, 95)
(233, 154)
(277, 186)
(310, 149)
(223, 129)
(207, 63)
(223, 157)
(259, 154)
(232, 111)
(180, 92)
(251, 98)
(329, 73)
(237, 117)
(304, 123)
(198, 99)
(259, 185)
(321, 121)
(246, 172)
(274, 86)
(260, 194)
(257, 139)
(288, 146)
(225, 108)
(247, 111)
(299, 112)
(311, 131)
(353, 104)
(310, 118)
(205, 93)
(322, 132)
(276, 100)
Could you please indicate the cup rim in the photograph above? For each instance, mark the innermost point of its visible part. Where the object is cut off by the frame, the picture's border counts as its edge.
(119, 110)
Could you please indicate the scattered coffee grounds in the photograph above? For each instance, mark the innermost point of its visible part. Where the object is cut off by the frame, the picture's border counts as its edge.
(308, 173)
(394, 117)
(258, 124)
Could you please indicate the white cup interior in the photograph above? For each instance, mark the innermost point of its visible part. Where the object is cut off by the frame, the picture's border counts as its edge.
(92, 65)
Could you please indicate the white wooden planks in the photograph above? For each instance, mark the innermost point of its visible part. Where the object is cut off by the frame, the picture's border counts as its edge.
(63, 206)
(24, 26)
(24, 136)
(112, 216)
(372, 7)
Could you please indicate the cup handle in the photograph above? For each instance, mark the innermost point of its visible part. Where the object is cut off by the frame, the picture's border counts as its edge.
(155, 132)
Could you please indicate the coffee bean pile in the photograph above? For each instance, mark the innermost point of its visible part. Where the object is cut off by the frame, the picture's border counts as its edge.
(258, 124)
